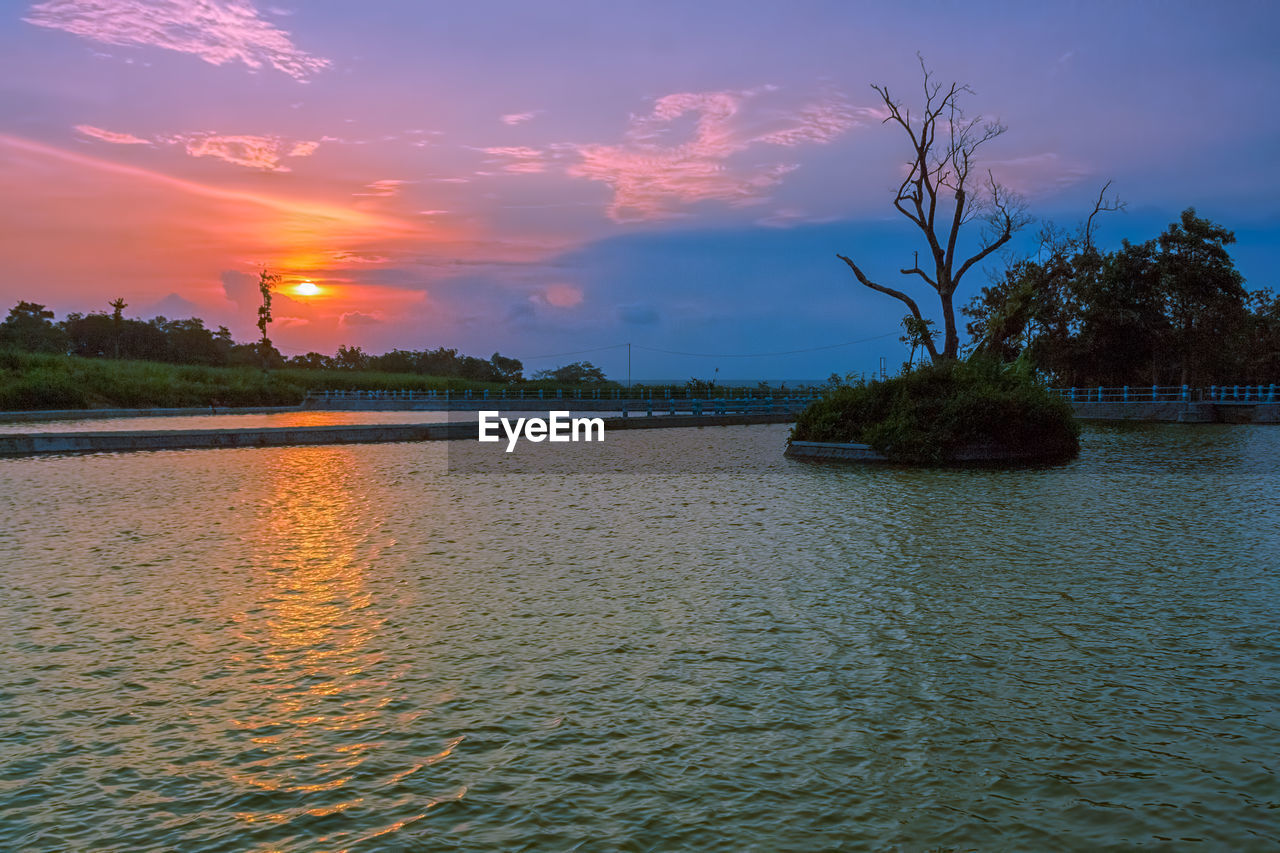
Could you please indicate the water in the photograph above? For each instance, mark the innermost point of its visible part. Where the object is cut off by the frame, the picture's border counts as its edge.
(344, 648)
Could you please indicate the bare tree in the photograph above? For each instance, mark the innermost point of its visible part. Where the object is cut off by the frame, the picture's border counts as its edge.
(944, 143)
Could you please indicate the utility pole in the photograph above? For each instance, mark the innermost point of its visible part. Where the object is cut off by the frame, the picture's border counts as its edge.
(628, 365)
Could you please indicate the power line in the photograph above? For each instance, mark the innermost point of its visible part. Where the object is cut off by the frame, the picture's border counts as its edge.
(574, 352)
(764, 354)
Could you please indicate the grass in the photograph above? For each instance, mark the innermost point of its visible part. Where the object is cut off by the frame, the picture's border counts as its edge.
(930, 414)
(33, 381)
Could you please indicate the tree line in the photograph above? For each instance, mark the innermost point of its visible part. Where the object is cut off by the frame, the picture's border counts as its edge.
(1172, 310)
(32, 327)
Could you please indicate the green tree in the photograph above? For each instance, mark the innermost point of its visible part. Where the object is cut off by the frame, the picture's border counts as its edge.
(1202, 291)
(30, 327)
(117, 320)
(266, 283)
(577, 373)
(919, 333)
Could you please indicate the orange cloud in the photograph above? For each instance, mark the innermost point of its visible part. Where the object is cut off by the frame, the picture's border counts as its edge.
(217, 31)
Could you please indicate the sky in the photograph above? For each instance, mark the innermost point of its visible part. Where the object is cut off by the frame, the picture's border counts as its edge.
(551, 180)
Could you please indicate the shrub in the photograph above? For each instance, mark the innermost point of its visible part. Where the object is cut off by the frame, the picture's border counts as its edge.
(931, 414)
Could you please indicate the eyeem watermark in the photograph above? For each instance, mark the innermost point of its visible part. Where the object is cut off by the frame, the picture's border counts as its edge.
(557, 428)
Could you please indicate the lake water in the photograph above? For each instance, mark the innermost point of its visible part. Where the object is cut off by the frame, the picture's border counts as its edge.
(346, 648)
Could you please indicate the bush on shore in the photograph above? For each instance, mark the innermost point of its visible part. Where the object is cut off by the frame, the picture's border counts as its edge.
(32, 381)
(930, 414)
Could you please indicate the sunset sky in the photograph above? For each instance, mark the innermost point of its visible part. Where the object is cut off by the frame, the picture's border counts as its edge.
(546, 178)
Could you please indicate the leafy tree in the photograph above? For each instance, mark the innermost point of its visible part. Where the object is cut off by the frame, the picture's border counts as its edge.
(1202, 291)
(30, 327)
(266, 282)
(918, 332)
(577, 373)
(91, 335)
(507, 369)
(117, 320)
(312, 361)
(351, 358)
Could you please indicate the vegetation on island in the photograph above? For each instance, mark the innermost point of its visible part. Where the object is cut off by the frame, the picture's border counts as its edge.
(936, 412)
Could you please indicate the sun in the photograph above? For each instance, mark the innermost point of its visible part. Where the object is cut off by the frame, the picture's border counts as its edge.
(306, 288)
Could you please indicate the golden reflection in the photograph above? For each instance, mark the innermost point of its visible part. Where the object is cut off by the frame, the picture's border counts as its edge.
(314, 628)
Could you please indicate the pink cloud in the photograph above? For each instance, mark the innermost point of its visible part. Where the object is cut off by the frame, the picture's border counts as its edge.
(217, 31)
(111, 136)
(1037, 174)
(518, 159)
(358, 318)
(563, 295)
(252, 152)
(651, 175)
(519, 118)
(382, 189)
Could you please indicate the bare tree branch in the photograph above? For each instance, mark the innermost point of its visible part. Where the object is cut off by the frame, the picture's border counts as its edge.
(1102, 205)
(944, 144)
(889, 291)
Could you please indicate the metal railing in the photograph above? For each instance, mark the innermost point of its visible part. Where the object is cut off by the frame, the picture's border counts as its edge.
(656, 394)
(1171, 393)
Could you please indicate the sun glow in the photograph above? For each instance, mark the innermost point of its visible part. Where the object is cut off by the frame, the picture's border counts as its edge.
(306, 288)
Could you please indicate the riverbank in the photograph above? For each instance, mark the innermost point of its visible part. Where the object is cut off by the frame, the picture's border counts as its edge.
(37, 381)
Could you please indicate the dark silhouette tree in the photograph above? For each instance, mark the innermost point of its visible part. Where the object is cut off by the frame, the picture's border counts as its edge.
(266, 282)
(117, 320)
(944, 143)
(30, 327)
(1202, 290)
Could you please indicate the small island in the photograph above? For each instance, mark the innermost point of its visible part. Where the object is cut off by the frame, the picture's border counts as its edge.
(949, 412)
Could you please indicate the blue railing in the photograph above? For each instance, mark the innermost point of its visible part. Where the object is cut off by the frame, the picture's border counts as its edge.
(748, 403)
(657, 394)
(1269, 393)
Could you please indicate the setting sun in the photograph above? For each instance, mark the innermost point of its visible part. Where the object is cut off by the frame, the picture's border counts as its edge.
(307, 288)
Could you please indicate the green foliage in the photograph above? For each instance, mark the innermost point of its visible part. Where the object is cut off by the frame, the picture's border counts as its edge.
(31, 381)
(1172, 310)
(577, 373)
(30, 327)
(928, 415)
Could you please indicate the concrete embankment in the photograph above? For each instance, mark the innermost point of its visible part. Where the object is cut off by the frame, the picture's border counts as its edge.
(91, 414)
(534, 404)
(1195, 412)
(34, 444)
(850, 452)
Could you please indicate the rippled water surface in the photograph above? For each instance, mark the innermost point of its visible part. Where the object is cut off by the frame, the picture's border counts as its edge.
(347, 648)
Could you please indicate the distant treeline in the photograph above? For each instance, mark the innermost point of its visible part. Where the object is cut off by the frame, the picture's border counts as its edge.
(1170, 311)
(31, 327)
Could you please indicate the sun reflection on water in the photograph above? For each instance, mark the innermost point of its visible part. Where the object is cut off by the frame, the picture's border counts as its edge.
(317, 740)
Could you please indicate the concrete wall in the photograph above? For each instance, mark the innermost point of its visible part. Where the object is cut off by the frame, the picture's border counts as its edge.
(1180, 412)
(90, 414)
